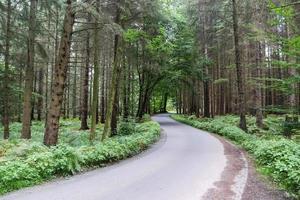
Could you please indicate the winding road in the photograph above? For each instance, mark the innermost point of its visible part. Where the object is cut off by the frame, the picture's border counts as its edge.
(186, 164)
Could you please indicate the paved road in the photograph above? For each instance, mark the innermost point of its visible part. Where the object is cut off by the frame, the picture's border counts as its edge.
(187, 164)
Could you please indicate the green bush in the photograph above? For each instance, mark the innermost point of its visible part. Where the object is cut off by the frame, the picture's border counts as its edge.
(277, 156)
(38, 163)
(126, 128)
(146, 118)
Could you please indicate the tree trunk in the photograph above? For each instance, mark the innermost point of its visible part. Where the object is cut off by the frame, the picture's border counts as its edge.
(40, 91)
(206, 99)
(114, 119)
(85, 85)
(96, 78)
(20, 96)
(258, 96)
(29, 74)
(52, 125)
(103, 88)
(239, 70)
(114, 79)
(6, 87)
(74, 93)
(126, 89)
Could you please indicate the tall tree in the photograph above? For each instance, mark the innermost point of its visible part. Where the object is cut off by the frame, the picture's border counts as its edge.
(239, 68)
(29, 74)
(95, 101)
(6, 72)
(115, 76)
(60, 75)
(85, 83)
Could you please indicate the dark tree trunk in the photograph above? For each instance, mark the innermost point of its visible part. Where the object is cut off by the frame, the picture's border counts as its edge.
(114, 119)
(6, 87)
(95, 99)
(29, 74)
(239, 69)
(52, 125)
(40, 92)
(126, 89)
(20, 96)
(206, 99)
(74, 93)
(103, 88)
(257, 95)
(85, 86)
(114, 79)
(165, 102)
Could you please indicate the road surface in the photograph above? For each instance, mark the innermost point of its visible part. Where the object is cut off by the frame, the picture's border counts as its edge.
(186, 164)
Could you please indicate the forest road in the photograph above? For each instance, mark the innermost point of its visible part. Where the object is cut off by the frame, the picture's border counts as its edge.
(186, 164)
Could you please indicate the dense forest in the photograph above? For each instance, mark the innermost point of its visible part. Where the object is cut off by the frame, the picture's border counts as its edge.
(104, 66)
(103, 60)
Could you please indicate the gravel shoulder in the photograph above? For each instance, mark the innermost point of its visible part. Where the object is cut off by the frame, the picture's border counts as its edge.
(241, 167)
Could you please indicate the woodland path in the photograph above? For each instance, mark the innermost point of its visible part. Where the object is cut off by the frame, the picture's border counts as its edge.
(186, 164)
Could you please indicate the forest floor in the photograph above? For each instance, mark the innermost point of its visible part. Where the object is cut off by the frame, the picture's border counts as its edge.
(186, 164)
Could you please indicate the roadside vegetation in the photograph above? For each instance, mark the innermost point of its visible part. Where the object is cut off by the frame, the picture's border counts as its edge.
(275, 155)
(26, 163)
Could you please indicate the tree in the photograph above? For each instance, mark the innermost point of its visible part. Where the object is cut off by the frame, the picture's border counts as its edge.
(114, 79)
(85, 83)
(29, 75)
(239, 69)
(96, 76)
(6, 71)
(52, 124)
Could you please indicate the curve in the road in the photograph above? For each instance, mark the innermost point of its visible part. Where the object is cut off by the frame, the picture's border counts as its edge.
(188, 164)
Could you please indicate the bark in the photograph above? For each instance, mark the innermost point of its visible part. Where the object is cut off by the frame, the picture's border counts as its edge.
(165, 102)
(33, 98)
(114, 119)
(29, 74)
(114, 79)
(6, 96)
(40, 92)
(52, 125)
(239, 69)
(74, 93)
(126, 89)
(258, 95)
(102, 106)
(54, 62)
(20, 96)
(206, 99)
(291, 74)
(96, 78)
(85, 85)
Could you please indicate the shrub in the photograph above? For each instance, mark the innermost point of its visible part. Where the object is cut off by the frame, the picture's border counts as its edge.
(39, 163)
(146, 118)
(126, 128)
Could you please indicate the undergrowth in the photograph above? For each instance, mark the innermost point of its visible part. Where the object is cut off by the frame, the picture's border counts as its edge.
(26, 163)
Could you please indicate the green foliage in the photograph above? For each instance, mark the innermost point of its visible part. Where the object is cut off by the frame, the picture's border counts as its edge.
(146, 118)
(290, 125)
(278, 157)
(133, 35)
(126, 128)
(24, 164)
(69, 132)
